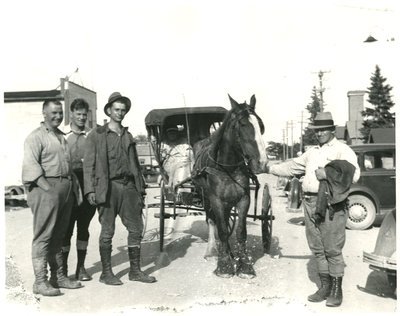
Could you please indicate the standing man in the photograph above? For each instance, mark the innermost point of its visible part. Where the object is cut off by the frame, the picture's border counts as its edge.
(82, 214)
(325, 234)
(114, 182)
(46, 172)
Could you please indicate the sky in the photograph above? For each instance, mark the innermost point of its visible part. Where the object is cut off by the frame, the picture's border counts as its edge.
(174, 53)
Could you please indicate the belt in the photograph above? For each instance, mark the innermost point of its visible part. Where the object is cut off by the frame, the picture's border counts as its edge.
(69, 177)
(308, 194)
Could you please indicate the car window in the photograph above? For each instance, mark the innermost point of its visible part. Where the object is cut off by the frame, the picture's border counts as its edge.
(379, 160)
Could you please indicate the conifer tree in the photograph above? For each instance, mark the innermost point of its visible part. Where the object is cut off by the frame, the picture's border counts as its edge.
(379, 97)
(313, 108)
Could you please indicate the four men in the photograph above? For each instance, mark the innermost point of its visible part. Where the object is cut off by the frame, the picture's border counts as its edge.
(106, 164)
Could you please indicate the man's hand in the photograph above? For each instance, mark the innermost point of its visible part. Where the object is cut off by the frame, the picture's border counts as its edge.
(320, 174)
(43, 184)
(91, 197)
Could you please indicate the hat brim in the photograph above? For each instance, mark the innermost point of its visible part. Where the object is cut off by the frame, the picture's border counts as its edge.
(124, 100)
(320, 126)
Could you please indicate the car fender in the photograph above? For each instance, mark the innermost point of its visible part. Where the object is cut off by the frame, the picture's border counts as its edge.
(363, 190)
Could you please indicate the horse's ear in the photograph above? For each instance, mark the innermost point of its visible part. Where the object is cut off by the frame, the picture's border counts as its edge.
(253, 102)
(234, 104)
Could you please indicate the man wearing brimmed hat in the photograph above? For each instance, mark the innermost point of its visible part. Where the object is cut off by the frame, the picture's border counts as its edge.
(113, 181)
(325, 234)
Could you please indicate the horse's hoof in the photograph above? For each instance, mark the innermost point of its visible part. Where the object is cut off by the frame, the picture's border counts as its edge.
(246, 276)
(223, 275)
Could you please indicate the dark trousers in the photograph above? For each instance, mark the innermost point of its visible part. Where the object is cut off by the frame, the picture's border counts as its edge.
(124, 200)
(326, 239)
(51, 213)
(82, 216)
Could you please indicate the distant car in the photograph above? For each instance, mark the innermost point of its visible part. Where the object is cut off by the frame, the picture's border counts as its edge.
(374, 194)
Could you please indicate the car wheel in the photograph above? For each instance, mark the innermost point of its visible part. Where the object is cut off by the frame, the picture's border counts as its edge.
(362, 212)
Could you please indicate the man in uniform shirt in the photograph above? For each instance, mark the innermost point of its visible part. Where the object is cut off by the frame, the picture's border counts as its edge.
(82, 214)
(114, 182)
(325, 239)
(46, 172)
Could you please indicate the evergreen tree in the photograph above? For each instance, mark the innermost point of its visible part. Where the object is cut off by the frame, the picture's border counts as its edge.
(313, 108)
(379, 96)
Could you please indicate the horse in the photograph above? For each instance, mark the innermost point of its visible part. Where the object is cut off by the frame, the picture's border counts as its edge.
(224, 163)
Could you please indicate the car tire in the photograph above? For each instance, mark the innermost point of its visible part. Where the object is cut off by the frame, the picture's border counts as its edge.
(362, 212)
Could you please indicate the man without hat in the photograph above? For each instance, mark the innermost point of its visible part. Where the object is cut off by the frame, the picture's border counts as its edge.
(113, 181)
(325, 224)
(47, 175)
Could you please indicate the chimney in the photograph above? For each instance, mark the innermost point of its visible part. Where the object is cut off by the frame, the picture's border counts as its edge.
(356, 104)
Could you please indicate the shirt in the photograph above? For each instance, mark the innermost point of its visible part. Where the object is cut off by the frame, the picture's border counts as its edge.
(314, 158)
(118, 161)
(46, 154)
(76, 142)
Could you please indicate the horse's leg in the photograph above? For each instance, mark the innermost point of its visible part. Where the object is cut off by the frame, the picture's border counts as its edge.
(212, 250)
(225, 267)
(245, 265)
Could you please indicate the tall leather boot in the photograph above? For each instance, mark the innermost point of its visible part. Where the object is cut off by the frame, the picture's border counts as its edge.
(325, 289)
(135, 274)
(81, 273)
(107, 276)
(336, 296)
(58, 278)
(41, 284)
(65, 255)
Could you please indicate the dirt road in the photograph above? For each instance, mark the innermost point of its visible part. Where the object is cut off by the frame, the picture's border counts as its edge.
(186, 283)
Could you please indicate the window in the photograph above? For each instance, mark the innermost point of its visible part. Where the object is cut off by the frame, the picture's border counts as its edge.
(142, 161)
(379, 160)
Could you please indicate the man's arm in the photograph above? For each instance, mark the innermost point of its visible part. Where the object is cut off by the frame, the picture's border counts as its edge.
(296, 166)
(89, 164)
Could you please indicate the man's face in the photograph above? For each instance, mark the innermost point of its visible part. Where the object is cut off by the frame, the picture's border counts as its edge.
(117, 111)
(324, 135)
(53, 115)
(172, 135)
(79, 117)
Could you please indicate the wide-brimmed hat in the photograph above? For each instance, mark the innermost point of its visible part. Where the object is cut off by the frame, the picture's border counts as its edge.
(116, 96)
(172, 129)
(322, 120)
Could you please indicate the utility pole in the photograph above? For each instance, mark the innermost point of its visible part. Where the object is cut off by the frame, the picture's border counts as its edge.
(301, 132)
(287, 137)
(291, 127)
(283, 145)
(321, 88)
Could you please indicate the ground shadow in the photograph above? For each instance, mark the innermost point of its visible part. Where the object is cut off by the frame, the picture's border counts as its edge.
(378, 284)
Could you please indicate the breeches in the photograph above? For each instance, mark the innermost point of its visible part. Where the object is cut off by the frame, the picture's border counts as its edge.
(51, 214)
(81, 215)
(326, 239)
(124, 200)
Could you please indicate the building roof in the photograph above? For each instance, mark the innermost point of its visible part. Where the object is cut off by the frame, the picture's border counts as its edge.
(382, 135)
(32, 96)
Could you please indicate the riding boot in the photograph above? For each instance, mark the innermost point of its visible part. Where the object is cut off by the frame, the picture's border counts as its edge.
(41, 284)
(135, 274)
(65, 255)
(107, 276)
(336, 296)
(324, 290)
(81, 273)
(58, 278)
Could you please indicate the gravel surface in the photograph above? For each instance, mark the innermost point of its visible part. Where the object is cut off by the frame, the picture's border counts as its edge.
(186, 283)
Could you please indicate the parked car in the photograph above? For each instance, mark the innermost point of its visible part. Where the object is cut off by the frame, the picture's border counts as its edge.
(374, 194)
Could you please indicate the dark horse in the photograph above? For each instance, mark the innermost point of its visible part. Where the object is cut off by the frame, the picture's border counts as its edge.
(224, 163)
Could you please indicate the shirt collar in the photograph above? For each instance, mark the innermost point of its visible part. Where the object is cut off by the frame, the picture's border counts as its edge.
(67, 129)
(108, 130)
(331, 143)
(46, 129)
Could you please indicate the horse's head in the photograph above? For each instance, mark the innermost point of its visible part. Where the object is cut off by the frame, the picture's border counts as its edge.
(249, 128)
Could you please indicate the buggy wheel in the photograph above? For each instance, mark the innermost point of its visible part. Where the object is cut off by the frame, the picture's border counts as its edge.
(162, 214)
(266, 221)
(294, 197)
(231, 222)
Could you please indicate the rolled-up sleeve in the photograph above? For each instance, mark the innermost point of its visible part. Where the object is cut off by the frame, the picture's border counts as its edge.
(31, 168)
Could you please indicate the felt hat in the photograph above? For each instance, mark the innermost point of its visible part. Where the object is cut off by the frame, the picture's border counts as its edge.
(322, 120)
(116, 96)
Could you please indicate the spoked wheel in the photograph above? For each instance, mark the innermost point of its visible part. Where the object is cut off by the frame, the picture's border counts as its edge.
(266, 221)
(232, 222)
(162, 214)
